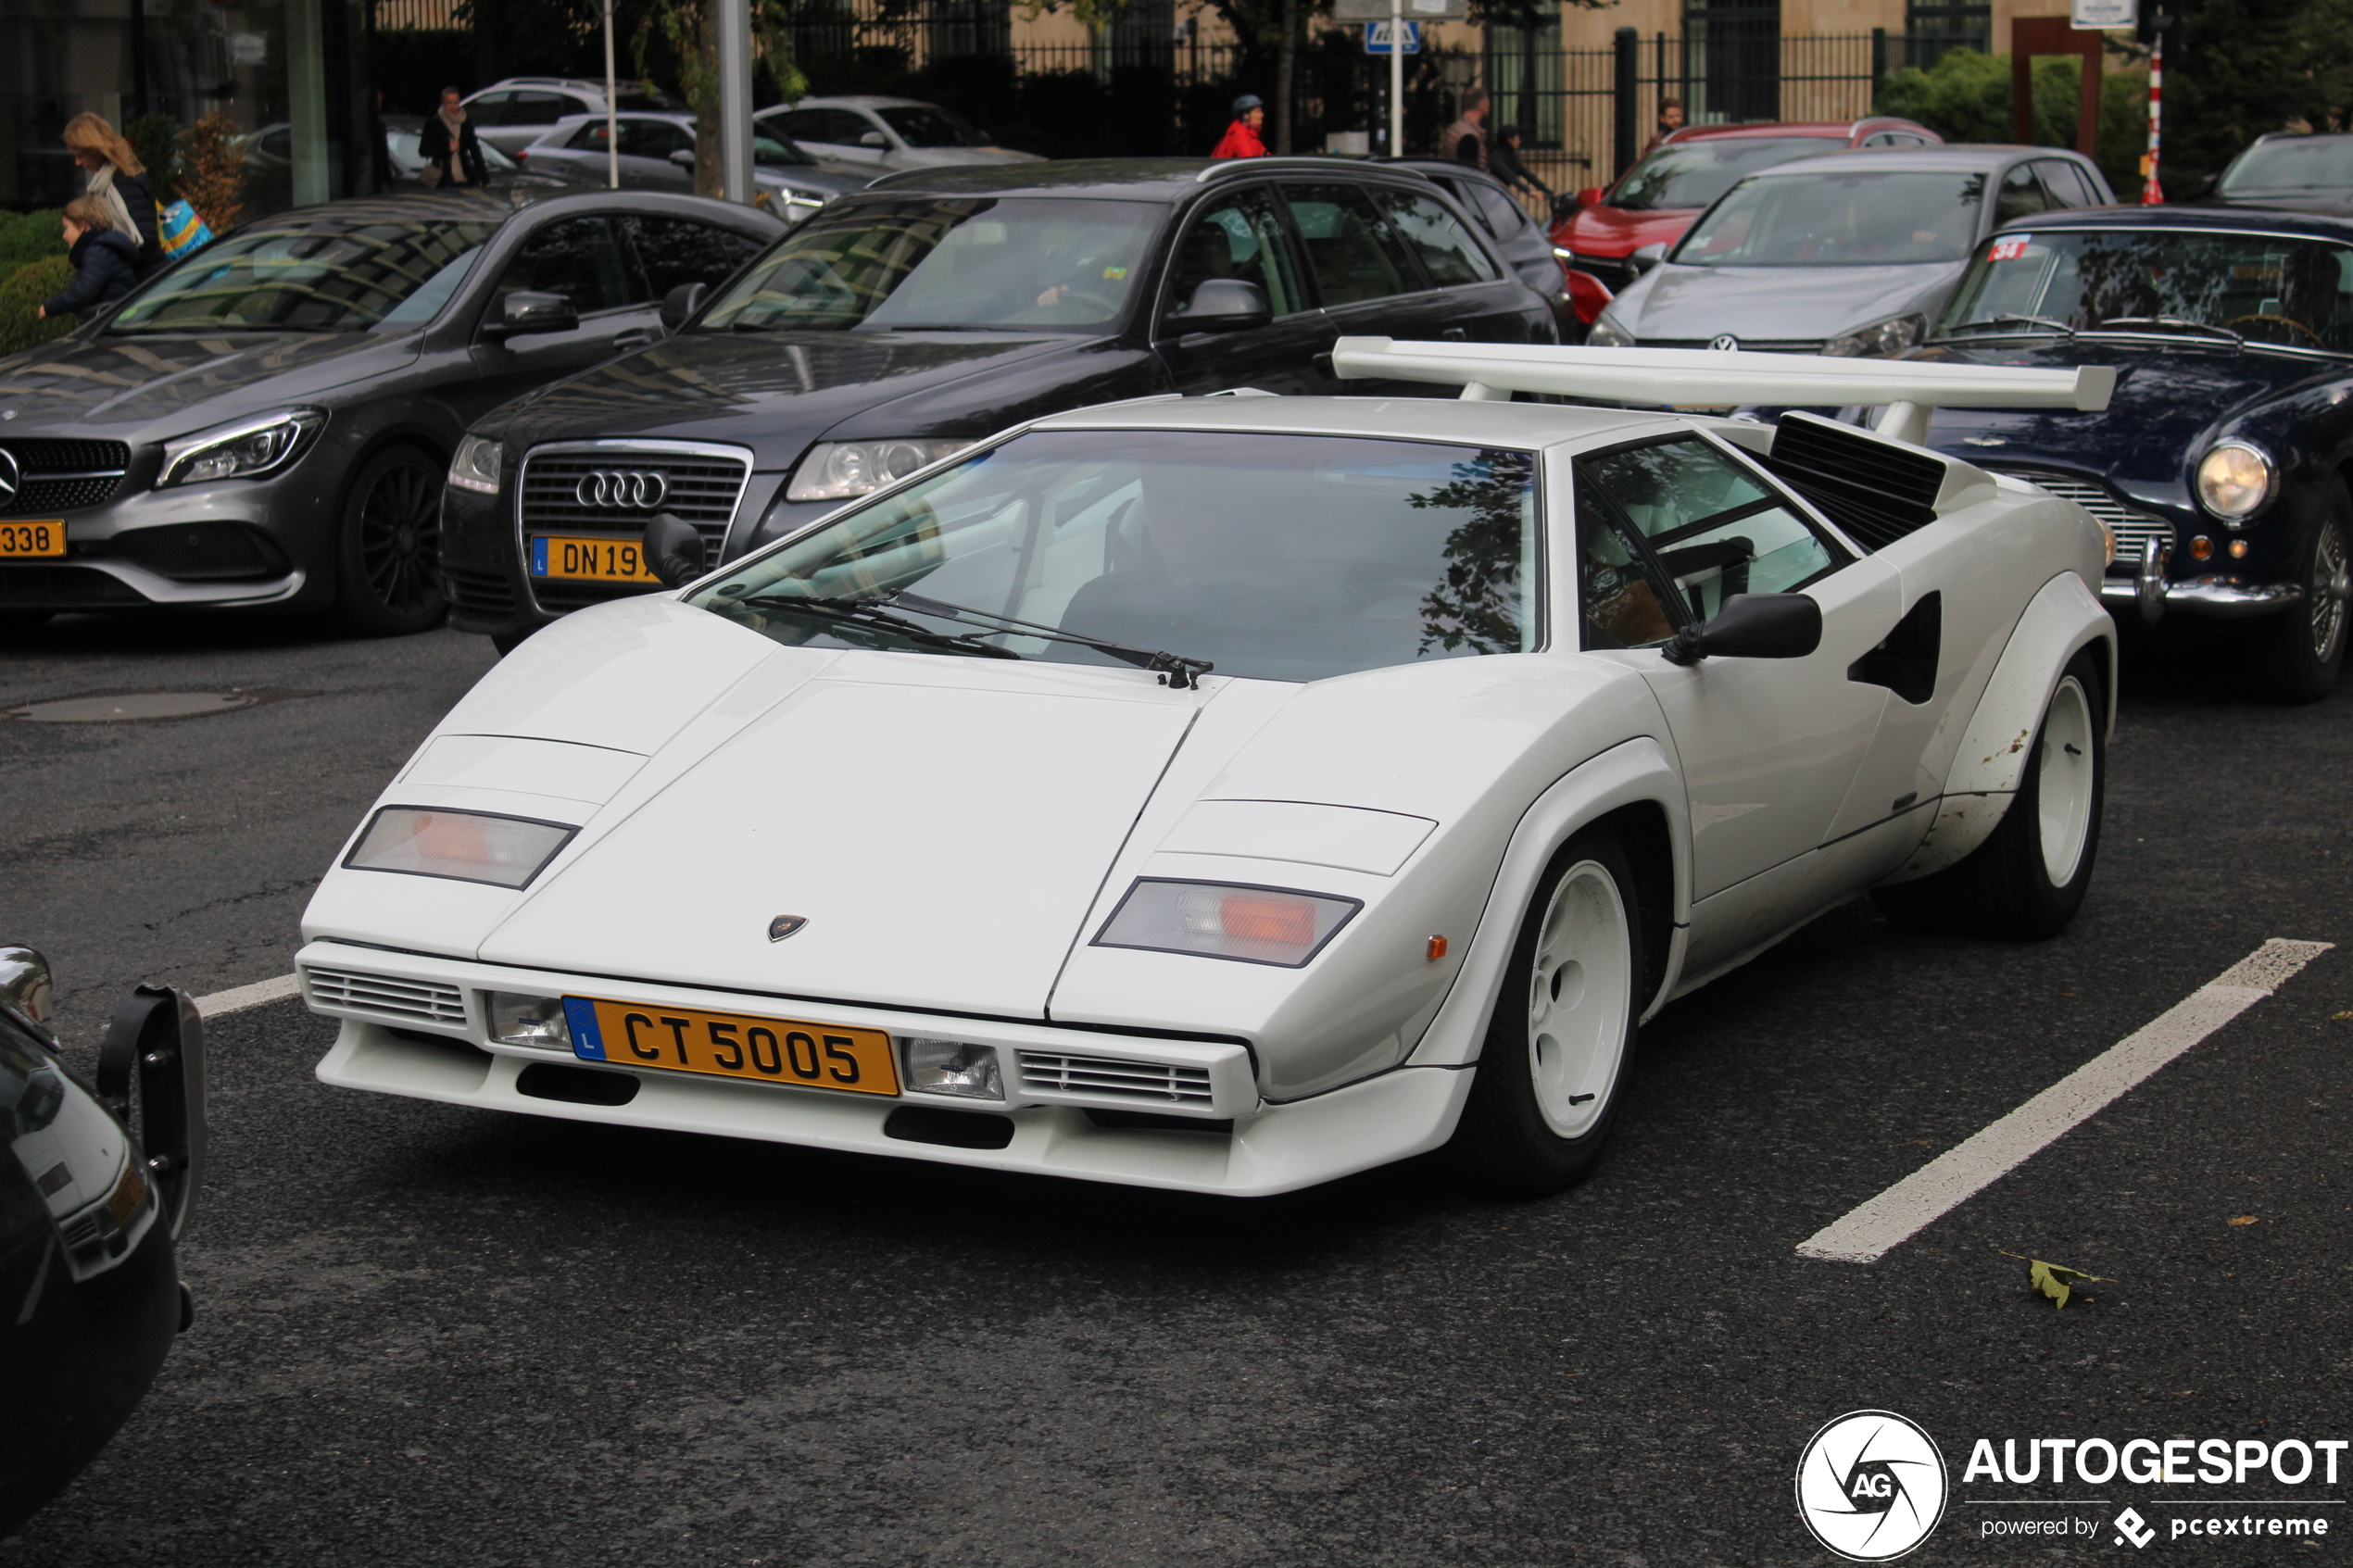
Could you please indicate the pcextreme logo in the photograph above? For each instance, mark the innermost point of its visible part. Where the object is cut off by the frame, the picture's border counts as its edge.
(1870, 1486)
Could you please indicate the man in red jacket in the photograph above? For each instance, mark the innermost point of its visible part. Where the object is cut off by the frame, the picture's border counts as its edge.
(1241, 138)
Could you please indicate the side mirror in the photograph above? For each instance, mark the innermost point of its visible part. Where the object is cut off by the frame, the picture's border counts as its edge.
(154, 1053)
(673, 550)
(684, 157)
(25, 986)
(1590, 196)
(681, 302)
(1647, 257)
(2213, 182)
(1751, 626)
(874, 139)
(1224, 305)
(524, 312)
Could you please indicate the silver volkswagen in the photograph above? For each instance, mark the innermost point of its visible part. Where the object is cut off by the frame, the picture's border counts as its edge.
(1850, 253)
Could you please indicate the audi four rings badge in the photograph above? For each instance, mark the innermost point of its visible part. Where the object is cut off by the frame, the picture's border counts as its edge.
(10, 476)
(637, 489)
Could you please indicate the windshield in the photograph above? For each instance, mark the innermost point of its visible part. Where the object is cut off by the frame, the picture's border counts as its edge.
(2305, 163)
(1052, 264)
(926, 125)
(1695, 174)
(772, 149)
(307, 280)
(1286, 558)
(1863, 219)
(2269, 289)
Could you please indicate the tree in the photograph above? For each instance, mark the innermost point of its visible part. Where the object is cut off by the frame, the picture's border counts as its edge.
(690, 28)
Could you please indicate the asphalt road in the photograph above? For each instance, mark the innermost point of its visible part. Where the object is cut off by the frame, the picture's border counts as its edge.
(430, 1335)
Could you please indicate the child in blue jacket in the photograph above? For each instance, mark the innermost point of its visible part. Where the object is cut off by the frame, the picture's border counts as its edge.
(105, 260)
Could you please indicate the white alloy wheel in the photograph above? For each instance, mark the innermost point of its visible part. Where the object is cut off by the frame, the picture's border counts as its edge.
(1580, 988)
(2065, 780)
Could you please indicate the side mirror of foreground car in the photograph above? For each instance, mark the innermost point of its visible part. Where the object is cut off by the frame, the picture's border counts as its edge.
(673, 550)
(1751, 626)
(525, 312)
(1224, 305)
(681, 302)
(1647, 257)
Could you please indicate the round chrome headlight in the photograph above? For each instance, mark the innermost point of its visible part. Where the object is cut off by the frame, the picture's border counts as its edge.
(2235, 479)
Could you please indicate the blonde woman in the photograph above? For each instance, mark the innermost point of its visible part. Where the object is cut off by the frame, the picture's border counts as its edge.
(119, 179)
(105, 260)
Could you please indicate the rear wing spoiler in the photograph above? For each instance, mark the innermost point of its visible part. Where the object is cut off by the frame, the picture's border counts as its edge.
(1909, 388)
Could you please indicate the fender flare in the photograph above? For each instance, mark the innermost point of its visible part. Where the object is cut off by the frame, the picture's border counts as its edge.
(1634, 773)
(2061, 620)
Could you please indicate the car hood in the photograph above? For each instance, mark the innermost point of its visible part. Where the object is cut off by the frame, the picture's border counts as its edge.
(949, 158)
(1769, 303)
(119, 385)
(774, 392)
(2166, 398)
(838, 177)
(1611, 231)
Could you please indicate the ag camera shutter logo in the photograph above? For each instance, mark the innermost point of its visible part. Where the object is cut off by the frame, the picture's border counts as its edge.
(1871, 1486)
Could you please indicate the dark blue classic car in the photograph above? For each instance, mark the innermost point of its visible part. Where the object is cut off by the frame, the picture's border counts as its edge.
(2220, 465)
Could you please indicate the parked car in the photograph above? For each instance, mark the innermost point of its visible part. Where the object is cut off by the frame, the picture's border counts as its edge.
(91, 1212)
(1655, 200)
(510, 114)
(2303, 171)
(401, 136)
(1141, 913)
(2220, 465)
(1848, 253)
(658, 153)
(266, 421)
(885, 133)
(923, 314)
(1518, 239)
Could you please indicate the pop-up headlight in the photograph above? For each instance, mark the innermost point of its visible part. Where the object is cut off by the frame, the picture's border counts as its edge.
(1271, 925)
(952, 1067)
(466, 845)
(520, 1020)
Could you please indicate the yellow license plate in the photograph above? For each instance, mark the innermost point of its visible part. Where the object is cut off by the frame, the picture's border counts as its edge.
(43, 538)
(589, 560)
(726, 1045)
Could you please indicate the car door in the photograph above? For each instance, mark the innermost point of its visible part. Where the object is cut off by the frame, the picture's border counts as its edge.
(1475, 293)
(584, 259)
(673, 252)
(527, 116)
(579, 156)
(1365, 276)
(646, 162)
(1769, 748)
(1241, 234)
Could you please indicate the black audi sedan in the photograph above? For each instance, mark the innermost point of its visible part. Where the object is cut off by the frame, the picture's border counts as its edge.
(939, 305)
(267, 422)
(2220, 465)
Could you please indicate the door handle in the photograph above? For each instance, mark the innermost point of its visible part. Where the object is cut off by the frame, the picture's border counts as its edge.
(636, 337)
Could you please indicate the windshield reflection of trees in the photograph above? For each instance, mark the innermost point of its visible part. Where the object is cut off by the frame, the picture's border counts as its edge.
(1478, 604)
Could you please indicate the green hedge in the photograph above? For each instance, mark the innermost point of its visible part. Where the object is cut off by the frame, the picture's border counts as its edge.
(1966, 98)
(20, 296)
(28, 237)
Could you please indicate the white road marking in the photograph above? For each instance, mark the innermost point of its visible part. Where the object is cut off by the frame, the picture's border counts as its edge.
(252, 996)
(1864, 1234)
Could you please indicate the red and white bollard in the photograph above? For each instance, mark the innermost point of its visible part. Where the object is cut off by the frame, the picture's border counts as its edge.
(2153, 194)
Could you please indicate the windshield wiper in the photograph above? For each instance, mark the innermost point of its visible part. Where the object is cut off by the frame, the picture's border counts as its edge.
(2179, 322)
(869, 614)
(1181, 673)
(2005, 319)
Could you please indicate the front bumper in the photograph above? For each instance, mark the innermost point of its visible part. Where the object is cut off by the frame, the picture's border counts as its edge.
(2221, 597)
(414, 1025)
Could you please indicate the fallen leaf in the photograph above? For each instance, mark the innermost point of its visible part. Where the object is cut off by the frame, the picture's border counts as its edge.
(2045, 1278)
(2244, 1220)
(2342, 1017)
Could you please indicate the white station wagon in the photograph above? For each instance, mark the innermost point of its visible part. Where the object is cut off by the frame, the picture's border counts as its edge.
(1371, 768)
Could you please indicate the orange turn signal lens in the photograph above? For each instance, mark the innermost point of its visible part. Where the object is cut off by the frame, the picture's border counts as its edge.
(1437, 948)
(2201, 548)
(1255, 917)
(1222, 920)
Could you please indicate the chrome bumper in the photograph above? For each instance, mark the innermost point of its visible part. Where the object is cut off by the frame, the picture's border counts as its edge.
(2218, 596)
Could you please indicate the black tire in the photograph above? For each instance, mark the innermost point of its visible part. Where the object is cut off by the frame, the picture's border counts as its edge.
(2308, 641)
(1509, 1143)
(2008, 885)
(388, 557)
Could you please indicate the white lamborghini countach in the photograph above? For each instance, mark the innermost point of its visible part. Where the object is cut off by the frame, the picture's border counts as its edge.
(1233, 792)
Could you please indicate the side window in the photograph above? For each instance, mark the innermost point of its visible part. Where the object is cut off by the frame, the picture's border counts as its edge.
(533, 108)
(1238, 237)
(1449, 253)
(1352, 250)
(1504, 217)
(653, 138)
(802, 125)
(1879, 139)
(590, 138)
(2021, 195)
(1707, 526)
(2065, 183)
(488, 110)
(578, 258)
(672, 251)
(1626, 603)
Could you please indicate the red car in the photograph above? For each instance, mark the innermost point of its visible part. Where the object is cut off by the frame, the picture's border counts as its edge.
(1655, 201)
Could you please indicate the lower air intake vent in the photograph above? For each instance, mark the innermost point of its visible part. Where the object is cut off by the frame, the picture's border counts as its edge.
(421, 1001)
(1048, 1073)
(1875, 490)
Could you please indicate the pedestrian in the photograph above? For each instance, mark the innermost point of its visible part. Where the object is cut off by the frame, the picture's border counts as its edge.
(117, 180)
(1241, 138)
(448, 143)
(105, 258)
(1465, 140)
(1670, 121)
(1502, 161)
